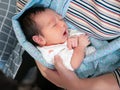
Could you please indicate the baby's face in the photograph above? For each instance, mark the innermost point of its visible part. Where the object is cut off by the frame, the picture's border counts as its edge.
(53, 27)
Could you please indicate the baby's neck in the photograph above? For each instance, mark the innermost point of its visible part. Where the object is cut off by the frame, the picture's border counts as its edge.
(53, 44)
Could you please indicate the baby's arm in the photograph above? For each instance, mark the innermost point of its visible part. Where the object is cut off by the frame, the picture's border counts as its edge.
(72, 42)
(79, 51)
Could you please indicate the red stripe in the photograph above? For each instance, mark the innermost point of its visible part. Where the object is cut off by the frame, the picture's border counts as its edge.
(91, 26)
(95, 16)
(105, 8)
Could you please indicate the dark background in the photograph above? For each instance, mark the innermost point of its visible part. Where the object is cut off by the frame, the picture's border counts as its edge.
(27, 64)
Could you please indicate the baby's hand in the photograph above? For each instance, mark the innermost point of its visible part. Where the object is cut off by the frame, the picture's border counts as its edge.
(83, 41)
(72, 42)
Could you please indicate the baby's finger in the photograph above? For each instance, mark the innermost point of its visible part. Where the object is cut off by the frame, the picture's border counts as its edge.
(74, 43)
(86, 36)
(88, 42)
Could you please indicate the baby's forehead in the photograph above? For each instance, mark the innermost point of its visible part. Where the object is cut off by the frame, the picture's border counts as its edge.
(53, 12)
(46, 17)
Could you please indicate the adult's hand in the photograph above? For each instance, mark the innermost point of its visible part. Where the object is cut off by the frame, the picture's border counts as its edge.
(66, 79)
(61, 77)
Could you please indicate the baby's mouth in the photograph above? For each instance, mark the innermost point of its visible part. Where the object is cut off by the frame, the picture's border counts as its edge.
(65, 33)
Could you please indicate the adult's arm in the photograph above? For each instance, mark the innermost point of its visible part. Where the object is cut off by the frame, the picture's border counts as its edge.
(67, 79)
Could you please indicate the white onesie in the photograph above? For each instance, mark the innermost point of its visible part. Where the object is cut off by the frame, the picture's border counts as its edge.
(62, 50)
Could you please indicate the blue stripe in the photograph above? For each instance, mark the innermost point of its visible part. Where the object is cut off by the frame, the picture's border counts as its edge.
(111, 4)
(111, 9)
(23, 2)
(85, 5)
(117, 75)
(85, 29)
(96, 12)
(112, 21)
(89, 20)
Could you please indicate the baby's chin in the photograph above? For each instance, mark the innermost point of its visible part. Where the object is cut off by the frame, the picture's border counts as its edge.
(65, 39)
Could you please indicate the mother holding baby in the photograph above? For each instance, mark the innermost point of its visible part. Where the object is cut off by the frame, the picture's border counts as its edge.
(100, 19)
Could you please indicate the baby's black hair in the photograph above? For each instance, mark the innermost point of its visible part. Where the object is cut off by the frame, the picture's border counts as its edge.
(27, 23)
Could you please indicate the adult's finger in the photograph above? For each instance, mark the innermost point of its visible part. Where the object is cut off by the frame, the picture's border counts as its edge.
(61, 69)
(68, 78)
(59, 64)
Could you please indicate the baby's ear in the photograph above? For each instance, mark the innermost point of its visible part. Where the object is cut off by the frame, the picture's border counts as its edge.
(39, 40)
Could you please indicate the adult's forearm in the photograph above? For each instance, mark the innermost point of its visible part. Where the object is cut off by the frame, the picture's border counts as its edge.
(67, 79)
(77, 58)
(104, 82)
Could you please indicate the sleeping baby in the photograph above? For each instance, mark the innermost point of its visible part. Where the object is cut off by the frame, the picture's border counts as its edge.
(47, 30)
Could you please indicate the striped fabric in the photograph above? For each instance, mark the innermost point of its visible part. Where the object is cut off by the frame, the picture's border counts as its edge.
(117, 75)
(100, 18)
(20, 4)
